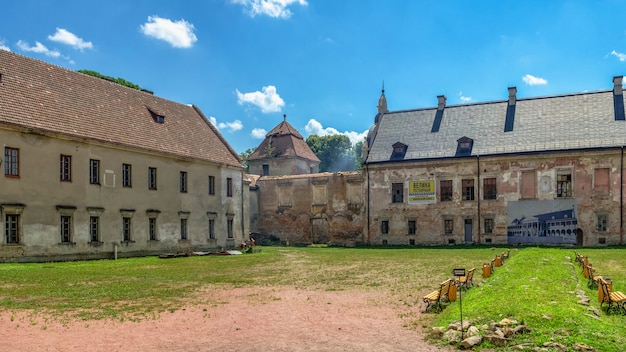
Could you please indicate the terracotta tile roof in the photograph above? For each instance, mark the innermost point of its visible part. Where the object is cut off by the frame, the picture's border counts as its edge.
(286, 142)
(38, 96)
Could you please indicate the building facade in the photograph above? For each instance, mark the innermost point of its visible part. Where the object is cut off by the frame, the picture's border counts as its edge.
(546, 170)
(93, 169)
(283, 152)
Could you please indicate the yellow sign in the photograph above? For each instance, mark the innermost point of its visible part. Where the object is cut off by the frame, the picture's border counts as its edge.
(422, 192)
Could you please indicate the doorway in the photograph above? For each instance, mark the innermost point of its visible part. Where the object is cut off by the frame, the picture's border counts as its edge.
(469, 229)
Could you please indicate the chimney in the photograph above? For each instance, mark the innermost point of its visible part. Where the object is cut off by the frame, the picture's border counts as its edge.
(512, 95)
(441, 102)
(617, 85)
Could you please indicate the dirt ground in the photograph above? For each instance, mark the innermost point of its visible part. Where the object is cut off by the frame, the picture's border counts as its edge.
(237, 319)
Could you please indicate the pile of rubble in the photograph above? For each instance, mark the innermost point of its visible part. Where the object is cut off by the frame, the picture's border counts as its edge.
(467, 335)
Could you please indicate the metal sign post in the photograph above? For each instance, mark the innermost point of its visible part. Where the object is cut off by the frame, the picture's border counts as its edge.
(460, 272)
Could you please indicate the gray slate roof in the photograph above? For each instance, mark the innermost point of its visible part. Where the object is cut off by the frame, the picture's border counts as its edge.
(553, 123)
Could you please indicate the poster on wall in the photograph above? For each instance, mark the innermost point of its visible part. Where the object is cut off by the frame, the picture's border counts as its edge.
(422, 192)
(542, 222)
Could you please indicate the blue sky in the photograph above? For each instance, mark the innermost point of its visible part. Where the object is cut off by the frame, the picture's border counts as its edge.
(245, 63)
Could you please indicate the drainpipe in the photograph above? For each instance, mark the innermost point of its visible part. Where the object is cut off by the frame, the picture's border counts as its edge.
(243, 226)
(621, 198)
(478, 195)
(367, 172)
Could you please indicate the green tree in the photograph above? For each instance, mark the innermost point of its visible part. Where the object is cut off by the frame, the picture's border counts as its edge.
(118, 80)
(334, 151)
(244, 156)
(357, 151)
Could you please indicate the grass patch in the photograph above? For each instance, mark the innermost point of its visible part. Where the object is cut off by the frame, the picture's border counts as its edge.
(536, 286)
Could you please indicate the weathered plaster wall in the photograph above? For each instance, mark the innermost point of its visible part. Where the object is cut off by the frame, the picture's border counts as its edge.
(317, 208)
(39, 193)
(507, 170)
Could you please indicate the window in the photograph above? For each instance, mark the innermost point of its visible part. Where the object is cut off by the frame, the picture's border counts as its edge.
(94, 172)
(229, 224)
(601, 181)
(468, 189)
(384, 227)
(126, 175)
(126, 229)
(397, 192)
(445, 193)
(183, 182)
(412, 227)
(602, 224)
(94, 228)
(183, 229)
(528, 184)
(489, 188)
(488, 225)
(11, 162)
(212, 185)
(399, 151)
(564, 184)
(152, 229)
(229, 187)
(152, 178)
(266, 170)
(211, 229)
(12, 228)
(66, 168)
(448, 226)
(66, 229)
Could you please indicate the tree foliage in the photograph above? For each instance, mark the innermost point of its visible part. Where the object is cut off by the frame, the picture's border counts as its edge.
(244, 156)
(118, 80)
(336, 152)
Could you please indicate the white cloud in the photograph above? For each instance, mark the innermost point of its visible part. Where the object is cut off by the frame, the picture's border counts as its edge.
(620, 56)
(230, 126)
(65, 37)
(268, 100)
(271, 8)
(178, 34)
(464, 99)
(258, 133)
(314, 127)
(4, 46)
(533, 81)
(38, 48)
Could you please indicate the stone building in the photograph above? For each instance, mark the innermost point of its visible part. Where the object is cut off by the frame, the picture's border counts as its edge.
(93, 169)
(532, 170)
(317, 208)
(283, 152)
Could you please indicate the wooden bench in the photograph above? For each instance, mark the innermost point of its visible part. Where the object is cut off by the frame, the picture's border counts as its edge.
(592, 278)
(439, 296)
(467, 280)
(615, 300)
(505, 255)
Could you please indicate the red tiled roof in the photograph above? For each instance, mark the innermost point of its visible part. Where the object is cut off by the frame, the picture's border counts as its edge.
(35, 95)
(286, 142)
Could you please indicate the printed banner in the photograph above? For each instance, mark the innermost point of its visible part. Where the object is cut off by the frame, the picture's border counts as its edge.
(422, 192)
(543, 221)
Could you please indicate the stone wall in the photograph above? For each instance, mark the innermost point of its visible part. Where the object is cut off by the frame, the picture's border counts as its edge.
(303, 209)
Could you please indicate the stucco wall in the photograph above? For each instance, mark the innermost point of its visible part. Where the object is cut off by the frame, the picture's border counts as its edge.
(43, 197)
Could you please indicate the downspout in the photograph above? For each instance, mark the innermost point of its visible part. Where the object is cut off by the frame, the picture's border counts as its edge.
(243, 217)
(367, 172)
(478, 195)
(621, 198)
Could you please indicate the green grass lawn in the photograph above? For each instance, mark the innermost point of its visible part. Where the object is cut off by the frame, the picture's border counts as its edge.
(536, 286)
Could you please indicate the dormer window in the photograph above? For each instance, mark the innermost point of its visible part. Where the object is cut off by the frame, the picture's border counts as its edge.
(464, 146)
(399, 150)
(157, 117)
